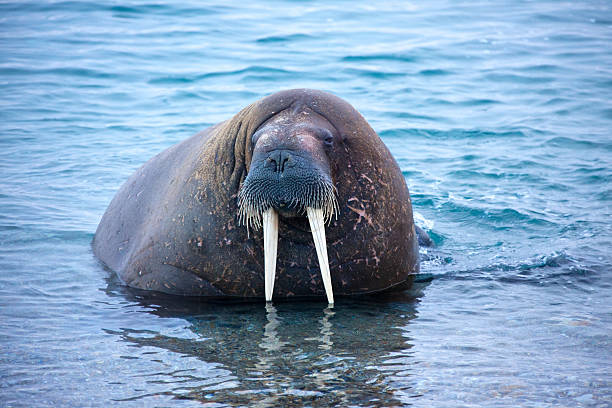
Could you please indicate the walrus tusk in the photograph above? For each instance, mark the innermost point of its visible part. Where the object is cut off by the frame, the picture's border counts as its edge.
(317, 225)
(270, 229)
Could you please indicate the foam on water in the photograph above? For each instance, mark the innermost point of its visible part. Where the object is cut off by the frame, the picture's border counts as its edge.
(498, 114)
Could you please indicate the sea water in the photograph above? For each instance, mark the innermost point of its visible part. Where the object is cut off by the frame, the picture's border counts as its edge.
(498, 114)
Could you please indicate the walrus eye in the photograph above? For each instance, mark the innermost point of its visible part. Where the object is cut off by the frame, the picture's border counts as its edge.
(327, 137)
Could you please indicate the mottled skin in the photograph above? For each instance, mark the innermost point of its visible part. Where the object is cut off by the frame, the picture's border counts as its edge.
(173, 226)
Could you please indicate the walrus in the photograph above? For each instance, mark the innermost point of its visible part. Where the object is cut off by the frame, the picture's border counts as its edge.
(295, 196)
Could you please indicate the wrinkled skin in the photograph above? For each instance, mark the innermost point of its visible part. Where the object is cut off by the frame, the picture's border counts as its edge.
(174, 227)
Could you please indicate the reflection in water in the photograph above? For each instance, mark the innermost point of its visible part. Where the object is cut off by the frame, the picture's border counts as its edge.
(285, 354)
(270, 341)
(326, 330)
(272, 344)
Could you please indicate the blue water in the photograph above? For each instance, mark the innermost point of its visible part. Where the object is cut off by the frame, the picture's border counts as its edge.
(499, 114)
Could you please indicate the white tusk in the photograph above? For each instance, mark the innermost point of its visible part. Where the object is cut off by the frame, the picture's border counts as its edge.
(317, 225)
(270, 229)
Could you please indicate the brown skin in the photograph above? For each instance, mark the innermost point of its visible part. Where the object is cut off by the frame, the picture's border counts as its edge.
(173, 226)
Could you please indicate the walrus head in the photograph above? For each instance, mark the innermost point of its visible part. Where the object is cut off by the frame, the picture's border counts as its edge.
(290, 176)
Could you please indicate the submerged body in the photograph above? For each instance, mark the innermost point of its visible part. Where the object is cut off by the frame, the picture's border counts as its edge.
(188, 221)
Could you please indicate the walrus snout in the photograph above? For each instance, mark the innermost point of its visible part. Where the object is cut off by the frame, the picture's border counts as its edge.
(287, 182)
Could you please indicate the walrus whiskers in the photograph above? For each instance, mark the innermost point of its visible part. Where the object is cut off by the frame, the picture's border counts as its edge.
(252, 203)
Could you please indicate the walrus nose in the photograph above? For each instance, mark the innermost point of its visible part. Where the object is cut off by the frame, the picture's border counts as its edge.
(279, 161)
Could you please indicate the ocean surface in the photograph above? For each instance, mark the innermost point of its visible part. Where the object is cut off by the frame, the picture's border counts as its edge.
(498, 113)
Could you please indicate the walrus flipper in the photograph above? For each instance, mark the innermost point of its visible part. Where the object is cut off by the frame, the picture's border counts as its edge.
(175, 281)
(423, 237)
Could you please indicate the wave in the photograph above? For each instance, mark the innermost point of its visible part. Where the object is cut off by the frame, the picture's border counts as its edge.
(457, 134)
(253, 70)
(399, 57)
(60, 71)
(573, 143)
(118, 11)
(541, 270)
(435, 72)
(284, 38)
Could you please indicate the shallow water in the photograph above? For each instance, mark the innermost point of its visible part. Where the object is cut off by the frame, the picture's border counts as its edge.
(499, 115)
